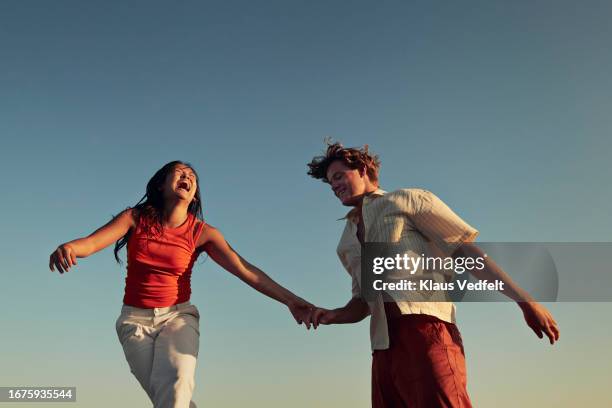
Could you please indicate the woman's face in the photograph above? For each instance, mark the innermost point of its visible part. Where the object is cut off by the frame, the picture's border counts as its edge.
(180, 183)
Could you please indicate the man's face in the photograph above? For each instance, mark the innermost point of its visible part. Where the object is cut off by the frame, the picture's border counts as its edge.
(346, 183)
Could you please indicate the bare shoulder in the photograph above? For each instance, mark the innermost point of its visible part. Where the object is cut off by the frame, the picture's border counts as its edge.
(209, 234)
(127, 217)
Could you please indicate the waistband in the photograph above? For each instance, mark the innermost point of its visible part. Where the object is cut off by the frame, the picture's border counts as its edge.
(156, 311)
(395, 316)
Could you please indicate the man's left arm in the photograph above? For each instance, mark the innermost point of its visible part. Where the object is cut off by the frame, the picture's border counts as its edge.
(538, 318)
(451, 235)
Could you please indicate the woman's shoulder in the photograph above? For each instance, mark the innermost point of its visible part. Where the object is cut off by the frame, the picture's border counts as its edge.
(141, 214)
(127, 216)
(207, 233)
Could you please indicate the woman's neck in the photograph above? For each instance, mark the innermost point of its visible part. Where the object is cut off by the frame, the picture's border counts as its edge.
(175, 214)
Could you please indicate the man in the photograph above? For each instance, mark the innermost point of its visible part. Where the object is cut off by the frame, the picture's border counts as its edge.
(418, 358)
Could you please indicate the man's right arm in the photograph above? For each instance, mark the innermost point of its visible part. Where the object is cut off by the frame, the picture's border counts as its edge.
(354, 311)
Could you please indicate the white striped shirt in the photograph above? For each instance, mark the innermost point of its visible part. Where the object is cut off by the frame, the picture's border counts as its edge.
(418, 220)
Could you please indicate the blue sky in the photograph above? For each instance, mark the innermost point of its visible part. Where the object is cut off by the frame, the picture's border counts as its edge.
(500, 108)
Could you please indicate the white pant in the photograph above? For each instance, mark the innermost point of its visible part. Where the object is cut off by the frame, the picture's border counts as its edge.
(161, 348)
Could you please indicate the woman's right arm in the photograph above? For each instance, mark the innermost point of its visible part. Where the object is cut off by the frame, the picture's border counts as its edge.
(64, 257)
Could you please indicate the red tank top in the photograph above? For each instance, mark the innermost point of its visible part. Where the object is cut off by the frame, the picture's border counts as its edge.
(159, 266)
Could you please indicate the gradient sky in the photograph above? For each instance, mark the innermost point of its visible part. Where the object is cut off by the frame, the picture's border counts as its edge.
(501, 108)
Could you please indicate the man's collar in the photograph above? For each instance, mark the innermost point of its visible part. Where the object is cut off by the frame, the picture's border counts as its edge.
(374, 194)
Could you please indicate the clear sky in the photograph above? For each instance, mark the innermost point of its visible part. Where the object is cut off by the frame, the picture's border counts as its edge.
(500, 108)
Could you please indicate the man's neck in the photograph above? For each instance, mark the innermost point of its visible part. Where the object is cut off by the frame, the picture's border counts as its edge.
(358, 206)
(368, 192)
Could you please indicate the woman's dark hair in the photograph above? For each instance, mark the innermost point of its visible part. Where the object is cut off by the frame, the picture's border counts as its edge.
(353, 158)
(151, 205)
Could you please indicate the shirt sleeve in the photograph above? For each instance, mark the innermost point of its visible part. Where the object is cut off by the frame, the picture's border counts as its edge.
(350, 257)
(438, 223)
(355, 288)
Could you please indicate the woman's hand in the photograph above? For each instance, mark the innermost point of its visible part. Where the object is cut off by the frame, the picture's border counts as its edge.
(63, 258)
(302, 311)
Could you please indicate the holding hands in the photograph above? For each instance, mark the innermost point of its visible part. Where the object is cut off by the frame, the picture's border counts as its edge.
(324, 316)
(302, 311)
(354, 311)
(310, 315)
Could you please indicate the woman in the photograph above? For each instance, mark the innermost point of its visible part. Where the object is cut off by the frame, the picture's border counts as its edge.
(158, 328)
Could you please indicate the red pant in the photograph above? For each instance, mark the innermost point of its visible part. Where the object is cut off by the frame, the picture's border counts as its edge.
(424, 366)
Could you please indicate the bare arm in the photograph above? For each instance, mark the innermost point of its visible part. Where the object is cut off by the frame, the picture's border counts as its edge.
(64, 257)
(213, 242)
(537, 317)
(492, 272)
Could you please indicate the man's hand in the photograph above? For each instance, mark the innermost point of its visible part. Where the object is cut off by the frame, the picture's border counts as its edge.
(354, 311)
(324, 316)
(540, 320)
(302, 311)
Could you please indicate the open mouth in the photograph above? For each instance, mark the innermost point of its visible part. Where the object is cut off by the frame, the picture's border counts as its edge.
(183, 185)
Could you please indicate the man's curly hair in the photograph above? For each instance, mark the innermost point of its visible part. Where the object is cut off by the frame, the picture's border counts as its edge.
(354, 158)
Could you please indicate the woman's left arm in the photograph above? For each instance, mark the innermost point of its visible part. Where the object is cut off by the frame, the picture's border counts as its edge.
(213, 242)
